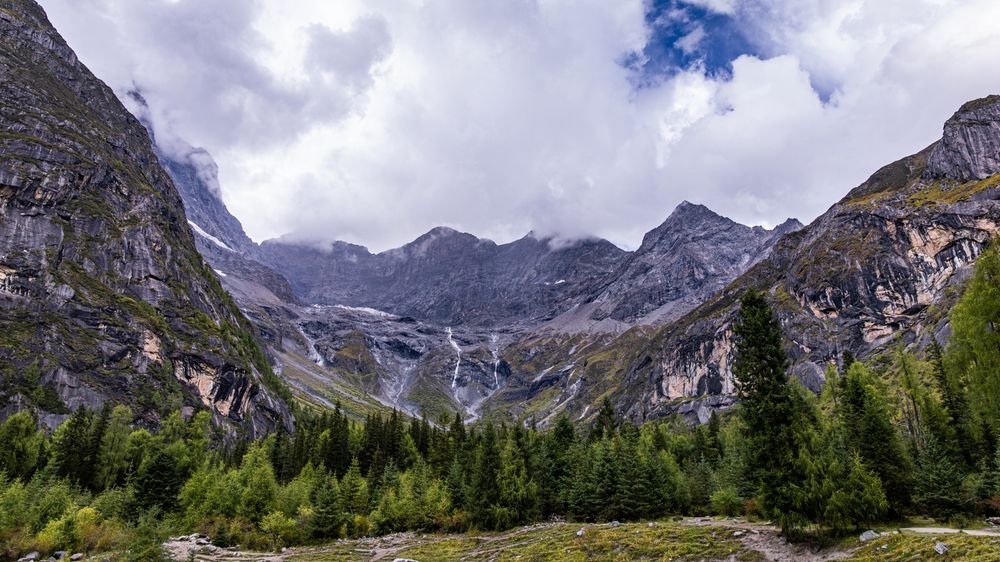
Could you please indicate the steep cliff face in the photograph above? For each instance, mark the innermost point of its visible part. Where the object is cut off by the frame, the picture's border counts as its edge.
(969, 149)
(103, 296)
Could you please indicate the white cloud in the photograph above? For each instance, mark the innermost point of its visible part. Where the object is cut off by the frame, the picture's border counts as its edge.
(375, 121)
(718, 6)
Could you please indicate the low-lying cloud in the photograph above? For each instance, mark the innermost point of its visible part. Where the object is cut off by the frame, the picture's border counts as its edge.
(374, 121)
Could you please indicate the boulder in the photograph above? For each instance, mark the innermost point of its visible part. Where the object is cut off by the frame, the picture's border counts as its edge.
(868, 535)
(941, 548)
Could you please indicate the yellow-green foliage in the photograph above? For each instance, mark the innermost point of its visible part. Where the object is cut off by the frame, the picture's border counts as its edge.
(940, 191)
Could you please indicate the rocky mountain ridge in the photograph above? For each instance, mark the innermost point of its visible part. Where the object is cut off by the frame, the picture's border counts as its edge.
(103, 295)
(426, 327)
(454, 278)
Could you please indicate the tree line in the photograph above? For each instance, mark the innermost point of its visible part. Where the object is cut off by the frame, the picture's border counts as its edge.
(903, 435)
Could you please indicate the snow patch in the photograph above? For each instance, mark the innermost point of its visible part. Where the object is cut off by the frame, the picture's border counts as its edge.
(219, 272)
(365, 310)
(201, 232)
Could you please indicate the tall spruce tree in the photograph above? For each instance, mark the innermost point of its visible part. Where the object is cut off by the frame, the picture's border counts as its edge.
(328, 509)
(771, 410)
(113, 455)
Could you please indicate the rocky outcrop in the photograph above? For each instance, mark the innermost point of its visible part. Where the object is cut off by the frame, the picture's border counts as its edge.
(881, 267)
(104, 296)
(682, 262)
(970, 147)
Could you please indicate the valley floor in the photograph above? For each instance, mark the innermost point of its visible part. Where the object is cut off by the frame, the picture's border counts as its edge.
(687, 539)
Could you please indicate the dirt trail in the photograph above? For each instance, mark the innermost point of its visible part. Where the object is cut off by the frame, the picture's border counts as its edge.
(767, 540)
(950, 531)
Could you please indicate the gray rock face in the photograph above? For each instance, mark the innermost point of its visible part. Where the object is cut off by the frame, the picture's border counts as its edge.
(455, 278)
(103, 296)
(689, 257)
(196, 177)
(970, 147)
(448, 277)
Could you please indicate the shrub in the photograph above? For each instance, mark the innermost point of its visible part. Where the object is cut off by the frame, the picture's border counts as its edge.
(726, 501)
(281, 529)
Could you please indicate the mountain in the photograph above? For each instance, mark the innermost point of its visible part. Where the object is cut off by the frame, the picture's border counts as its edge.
(880, 269)
(454, 278)
(448, 277)
(103, 295)
(679, 264)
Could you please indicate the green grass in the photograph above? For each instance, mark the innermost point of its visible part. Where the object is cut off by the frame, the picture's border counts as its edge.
(912, 546)
(940, 192)
(557, 542)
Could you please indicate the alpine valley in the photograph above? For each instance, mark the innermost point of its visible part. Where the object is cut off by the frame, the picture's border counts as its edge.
(100, 227)
(171, 388)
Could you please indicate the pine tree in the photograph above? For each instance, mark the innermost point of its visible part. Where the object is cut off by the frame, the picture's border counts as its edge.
(858, 499)
(514, 498)
(457, 484)
(606, 422)
(770, 407)
(354, 490)
(483, 493)
(955, 405)
(69, 448)
(328, 509)
(938, 482)
(158, 482)
(260, 487)
(92, 447)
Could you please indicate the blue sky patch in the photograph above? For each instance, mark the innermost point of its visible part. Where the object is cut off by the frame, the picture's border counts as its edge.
(684, 35)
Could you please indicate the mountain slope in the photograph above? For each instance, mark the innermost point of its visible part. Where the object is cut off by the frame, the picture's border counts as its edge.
(679, 264)
(103, 296)
(881, 266)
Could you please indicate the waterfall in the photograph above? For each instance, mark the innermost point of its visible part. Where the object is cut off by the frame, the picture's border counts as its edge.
(496, 359)
(458, 353)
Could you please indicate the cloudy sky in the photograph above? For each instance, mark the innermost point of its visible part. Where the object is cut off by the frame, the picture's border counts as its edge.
(372, 121)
